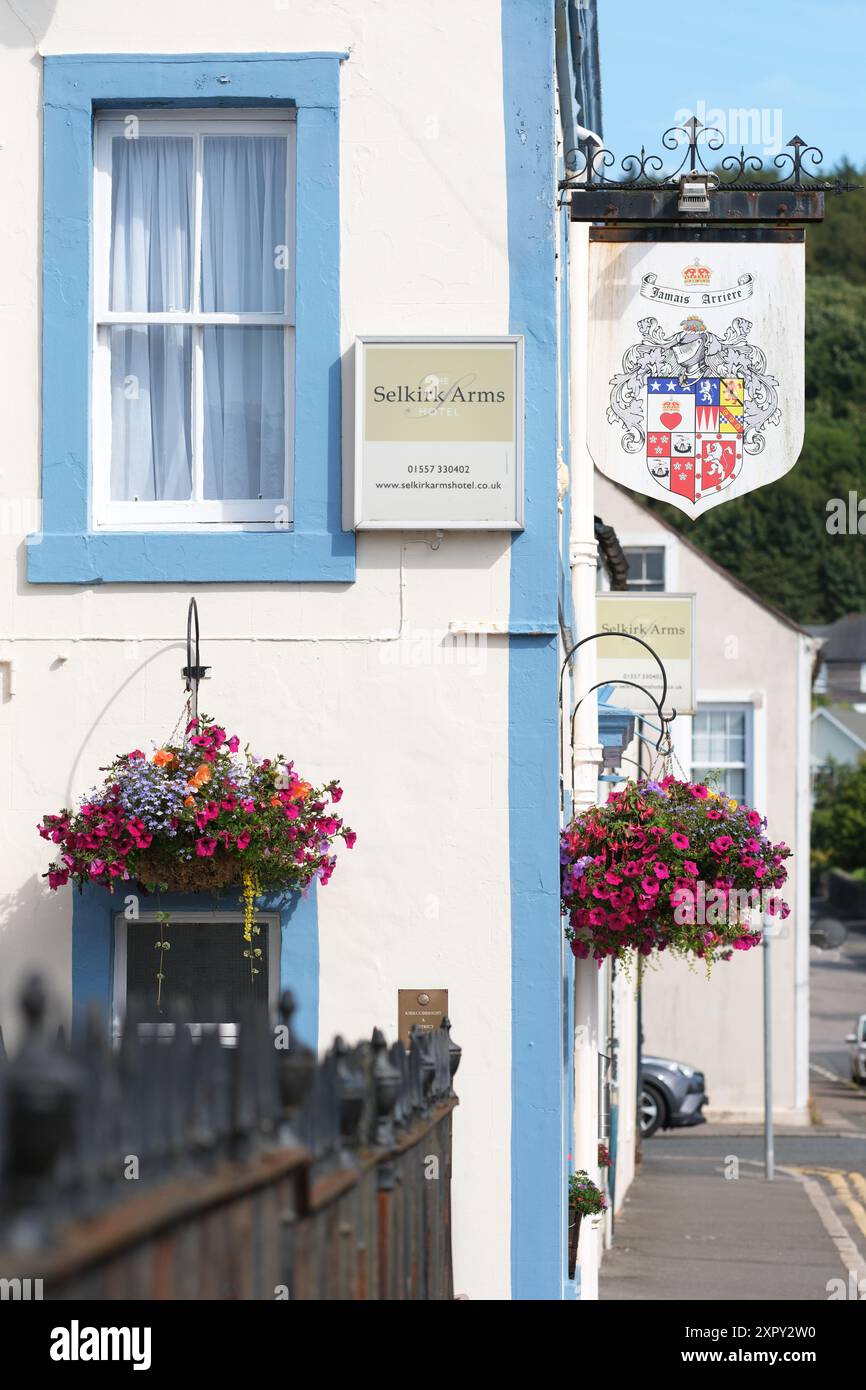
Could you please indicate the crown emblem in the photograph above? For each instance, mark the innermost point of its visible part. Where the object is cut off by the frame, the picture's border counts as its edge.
(696, 276)
(671, 405)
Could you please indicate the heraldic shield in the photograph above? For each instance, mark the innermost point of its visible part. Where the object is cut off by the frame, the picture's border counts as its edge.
(695, 411)
(694, 433)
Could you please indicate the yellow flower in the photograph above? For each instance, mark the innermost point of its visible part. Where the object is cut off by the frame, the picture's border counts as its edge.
(732, 805)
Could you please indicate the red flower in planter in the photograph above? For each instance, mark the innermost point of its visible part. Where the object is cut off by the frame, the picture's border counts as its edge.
(642, 835)
(149, 822)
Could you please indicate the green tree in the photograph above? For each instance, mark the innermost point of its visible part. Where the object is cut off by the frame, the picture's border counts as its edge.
(839, 819)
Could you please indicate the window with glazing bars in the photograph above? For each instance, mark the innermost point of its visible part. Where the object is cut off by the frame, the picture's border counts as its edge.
(193, 319)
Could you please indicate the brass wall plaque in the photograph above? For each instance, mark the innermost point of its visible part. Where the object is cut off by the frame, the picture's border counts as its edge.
(424, 1007)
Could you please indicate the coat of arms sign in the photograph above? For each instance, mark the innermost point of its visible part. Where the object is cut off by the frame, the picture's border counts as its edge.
(697, 402)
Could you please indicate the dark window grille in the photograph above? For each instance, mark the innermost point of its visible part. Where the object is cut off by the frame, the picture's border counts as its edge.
(207, 977)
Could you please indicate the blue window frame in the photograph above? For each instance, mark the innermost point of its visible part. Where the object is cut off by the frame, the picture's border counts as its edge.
(69, 549)
(722, 748)
(94, 946)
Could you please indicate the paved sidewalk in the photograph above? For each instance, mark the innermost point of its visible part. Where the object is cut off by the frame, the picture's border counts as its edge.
(688, 1232)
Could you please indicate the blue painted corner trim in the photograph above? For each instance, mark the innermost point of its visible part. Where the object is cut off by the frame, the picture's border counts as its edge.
(537, 1166)
(93, 913)
(68, 550)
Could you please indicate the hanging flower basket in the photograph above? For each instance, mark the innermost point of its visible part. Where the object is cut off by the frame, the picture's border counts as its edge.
(584, 1199)
(669, 865)
(196, 816)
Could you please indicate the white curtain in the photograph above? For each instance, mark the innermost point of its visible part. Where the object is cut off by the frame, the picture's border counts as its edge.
(151, 367)
(242, 270)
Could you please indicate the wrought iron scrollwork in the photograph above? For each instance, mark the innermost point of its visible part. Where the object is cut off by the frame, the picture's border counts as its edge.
(647, 172)
(663, 744)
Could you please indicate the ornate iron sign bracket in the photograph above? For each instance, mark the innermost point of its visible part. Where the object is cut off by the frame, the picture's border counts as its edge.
(663, 745)
(739, 189)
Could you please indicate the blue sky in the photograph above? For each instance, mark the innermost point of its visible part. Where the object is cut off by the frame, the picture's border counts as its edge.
(800, 63)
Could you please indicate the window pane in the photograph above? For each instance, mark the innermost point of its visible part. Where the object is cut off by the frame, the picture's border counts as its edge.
(735, 783)
(654, 565)
(718, 737)
(243, 254)
(736, 736)
(205, 966)
(646, 568)
(151, 430)
(244, 413)
(151, 222)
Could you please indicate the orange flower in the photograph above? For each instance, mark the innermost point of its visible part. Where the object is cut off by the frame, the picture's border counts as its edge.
(275, 801)
(300, 791)
(189, 801)
(164, 758)
(201, 775)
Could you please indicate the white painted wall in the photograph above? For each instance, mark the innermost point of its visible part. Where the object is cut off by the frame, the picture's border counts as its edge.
(743, 653)
(625, 1018)
(357, 680)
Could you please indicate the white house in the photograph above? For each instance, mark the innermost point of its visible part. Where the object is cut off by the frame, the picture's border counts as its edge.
(205, 207)
(751, 726)
(838, 735)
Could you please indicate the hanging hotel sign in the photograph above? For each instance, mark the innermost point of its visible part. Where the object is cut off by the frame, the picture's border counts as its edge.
(666, 622)
(696, 365)
(438, 434)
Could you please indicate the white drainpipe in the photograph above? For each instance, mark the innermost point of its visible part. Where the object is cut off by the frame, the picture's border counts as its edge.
(583, 555)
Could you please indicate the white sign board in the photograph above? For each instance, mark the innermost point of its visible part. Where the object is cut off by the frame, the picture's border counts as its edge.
(667, 623)
(438, 434)
(695, 366)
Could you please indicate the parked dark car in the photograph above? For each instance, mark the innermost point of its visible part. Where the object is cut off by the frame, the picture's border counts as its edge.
(671, 1095)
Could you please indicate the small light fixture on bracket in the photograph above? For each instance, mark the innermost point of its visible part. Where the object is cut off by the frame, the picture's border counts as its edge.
(695, 193)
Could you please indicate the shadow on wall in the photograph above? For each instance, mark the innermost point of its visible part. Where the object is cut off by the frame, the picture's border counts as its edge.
(24, 23)
(35, 934)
